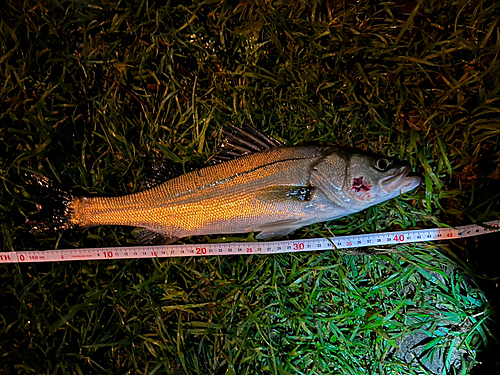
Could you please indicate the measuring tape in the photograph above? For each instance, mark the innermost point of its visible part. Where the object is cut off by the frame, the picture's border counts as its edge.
(238, 248)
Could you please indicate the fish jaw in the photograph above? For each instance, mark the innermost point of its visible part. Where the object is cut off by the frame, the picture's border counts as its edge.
(400, 183)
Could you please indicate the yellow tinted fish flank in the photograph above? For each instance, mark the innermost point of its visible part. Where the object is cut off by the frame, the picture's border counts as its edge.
(223, 198)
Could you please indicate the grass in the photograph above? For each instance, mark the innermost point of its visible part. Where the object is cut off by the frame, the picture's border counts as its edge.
(92, 92)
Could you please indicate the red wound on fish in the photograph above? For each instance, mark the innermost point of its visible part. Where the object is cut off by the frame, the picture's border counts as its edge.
(358, 185)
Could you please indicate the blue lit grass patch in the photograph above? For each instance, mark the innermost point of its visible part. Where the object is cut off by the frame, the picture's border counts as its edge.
(406, 310)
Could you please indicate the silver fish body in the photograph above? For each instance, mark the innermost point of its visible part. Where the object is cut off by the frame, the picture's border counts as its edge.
(273, 192)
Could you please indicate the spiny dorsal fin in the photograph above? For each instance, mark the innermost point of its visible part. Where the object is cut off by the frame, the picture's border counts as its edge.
(242, 142)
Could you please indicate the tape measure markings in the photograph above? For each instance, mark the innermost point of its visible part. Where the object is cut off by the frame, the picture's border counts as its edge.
(239, 248)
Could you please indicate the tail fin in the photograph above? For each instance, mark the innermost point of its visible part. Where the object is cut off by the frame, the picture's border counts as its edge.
(53, 204)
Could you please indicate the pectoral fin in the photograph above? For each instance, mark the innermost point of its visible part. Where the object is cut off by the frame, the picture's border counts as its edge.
(285, 193)
(278, 228)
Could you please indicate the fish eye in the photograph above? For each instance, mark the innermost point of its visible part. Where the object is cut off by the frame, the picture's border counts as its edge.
(382, 164)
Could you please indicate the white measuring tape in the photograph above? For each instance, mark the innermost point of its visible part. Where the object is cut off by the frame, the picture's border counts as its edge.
(238, 248)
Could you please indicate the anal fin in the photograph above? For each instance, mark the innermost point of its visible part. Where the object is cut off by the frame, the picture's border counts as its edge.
(147, 237)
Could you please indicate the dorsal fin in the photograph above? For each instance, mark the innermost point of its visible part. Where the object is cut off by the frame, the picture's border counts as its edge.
(162, 171)
(243, 142)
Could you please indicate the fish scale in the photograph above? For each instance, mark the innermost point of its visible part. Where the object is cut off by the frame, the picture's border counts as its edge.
(220, 196)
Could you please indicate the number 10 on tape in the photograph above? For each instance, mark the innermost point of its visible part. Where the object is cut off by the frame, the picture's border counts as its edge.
(290, 246)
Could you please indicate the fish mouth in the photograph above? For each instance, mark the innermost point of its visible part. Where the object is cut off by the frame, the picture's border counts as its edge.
(401, 181)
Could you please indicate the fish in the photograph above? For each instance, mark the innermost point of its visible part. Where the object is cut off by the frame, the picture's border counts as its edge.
(258, 185)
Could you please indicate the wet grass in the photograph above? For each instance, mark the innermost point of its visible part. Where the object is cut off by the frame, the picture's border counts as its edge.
(92, 92)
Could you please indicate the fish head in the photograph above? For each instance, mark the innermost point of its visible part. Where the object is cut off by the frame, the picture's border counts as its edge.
(371, 180)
